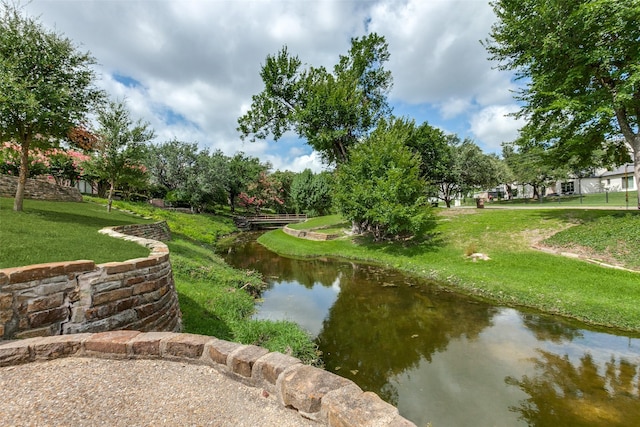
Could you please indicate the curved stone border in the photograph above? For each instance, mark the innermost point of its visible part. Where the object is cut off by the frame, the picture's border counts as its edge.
(79, 296)
(309, 235)
(316, 394)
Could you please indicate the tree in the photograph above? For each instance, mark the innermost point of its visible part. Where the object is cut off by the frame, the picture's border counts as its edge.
(463, 168)
(380, 190)
(580, 61)
(262, 193)
(332, 111)
(532, 166)
(242, 171)
(121, 148)
(283, 180)
(311, 193)
(46, 87)
(170, 164)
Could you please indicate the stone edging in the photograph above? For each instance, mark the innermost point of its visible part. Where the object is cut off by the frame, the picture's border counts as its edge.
(309, 235)
(316, 394)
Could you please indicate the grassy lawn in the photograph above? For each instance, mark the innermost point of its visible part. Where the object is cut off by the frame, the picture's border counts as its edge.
(515, 274)
(62, 231)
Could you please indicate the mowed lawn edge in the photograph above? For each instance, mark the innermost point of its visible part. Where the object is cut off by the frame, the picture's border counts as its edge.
(62, 231)
(515, 274)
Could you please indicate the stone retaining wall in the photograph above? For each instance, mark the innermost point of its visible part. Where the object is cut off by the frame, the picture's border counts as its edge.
(309, 235)
(154, 231)
(37, 189)
(316, 394)
(80, 296)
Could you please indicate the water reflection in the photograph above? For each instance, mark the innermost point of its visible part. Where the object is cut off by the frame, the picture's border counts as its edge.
(447, 359)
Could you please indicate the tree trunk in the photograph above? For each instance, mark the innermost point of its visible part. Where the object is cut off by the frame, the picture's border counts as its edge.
(24, 172)
(110, 198)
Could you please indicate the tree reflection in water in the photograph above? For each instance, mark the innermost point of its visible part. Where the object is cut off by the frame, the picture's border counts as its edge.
(373, 332)
(582, 394)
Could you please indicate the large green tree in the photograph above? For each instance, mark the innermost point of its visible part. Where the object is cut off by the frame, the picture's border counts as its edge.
(380, 190)
(46, 86)
(312, 193)
(170, 164)
(331, 110)
(242, 170)
(121, 147)
(580, 61)
(463, 168)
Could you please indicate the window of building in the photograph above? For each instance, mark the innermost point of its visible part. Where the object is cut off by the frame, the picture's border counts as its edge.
(567, 187)
(627, 183)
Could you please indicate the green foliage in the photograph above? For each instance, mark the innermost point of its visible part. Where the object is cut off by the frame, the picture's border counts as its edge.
(171, 164)
(46, 86)
(332, 111)
(379, 189)
(580, 59)
(312, 193)
(62, 231)
(456, 167)
(203, 228)
(121, 149)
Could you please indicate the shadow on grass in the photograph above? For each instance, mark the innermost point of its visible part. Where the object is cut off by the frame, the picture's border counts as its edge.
(196, 319)
(84, 220)
(430, 242)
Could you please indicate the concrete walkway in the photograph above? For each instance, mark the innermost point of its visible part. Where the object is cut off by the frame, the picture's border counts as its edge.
(80, 391)
(130, 378)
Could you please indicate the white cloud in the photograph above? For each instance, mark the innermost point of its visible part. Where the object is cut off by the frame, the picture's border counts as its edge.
(200, 60)
(493, 125)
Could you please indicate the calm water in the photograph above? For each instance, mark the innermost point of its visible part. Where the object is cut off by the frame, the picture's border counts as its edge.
(445, 358)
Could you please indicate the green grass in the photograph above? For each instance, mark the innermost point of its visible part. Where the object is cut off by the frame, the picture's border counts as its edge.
(613, 238)
(62, 231)
(515, 275)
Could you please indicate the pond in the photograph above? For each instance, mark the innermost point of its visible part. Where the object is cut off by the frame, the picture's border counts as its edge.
(444, 358)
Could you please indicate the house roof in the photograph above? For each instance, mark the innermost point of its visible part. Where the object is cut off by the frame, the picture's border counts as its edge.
(620, 170)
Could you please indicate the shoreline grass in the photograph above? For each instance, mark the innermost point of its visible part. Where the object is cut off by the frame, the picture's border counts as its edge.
(515, 275)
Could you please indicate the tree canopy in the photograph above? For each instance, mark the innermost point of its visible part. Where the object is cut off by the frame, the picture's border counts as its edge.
(380, 190)
(580, 62)
(121, 147)
(46, 86)
(331, 110)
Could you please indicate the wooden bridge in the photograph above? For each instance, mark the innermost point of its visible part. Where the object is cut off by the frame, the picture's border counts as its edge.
(265, 221)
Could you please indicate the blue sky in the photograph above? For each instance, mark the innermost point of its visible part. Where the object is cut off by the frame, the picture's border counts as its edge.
(190, 67)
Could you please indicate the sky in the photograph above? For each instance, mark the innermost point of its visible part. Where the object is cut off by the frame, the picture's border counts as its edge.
(190, 67)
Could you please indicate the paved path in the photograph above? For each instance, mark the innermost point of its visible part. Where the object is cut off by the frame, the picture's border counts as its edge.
(79, 391)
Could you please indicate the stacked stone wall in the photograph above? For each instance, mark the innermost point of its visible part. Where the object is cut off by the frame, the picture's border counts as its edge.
(37, 189)
(315, 393)
(80, 296)
(155, 231)
(309, 235)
